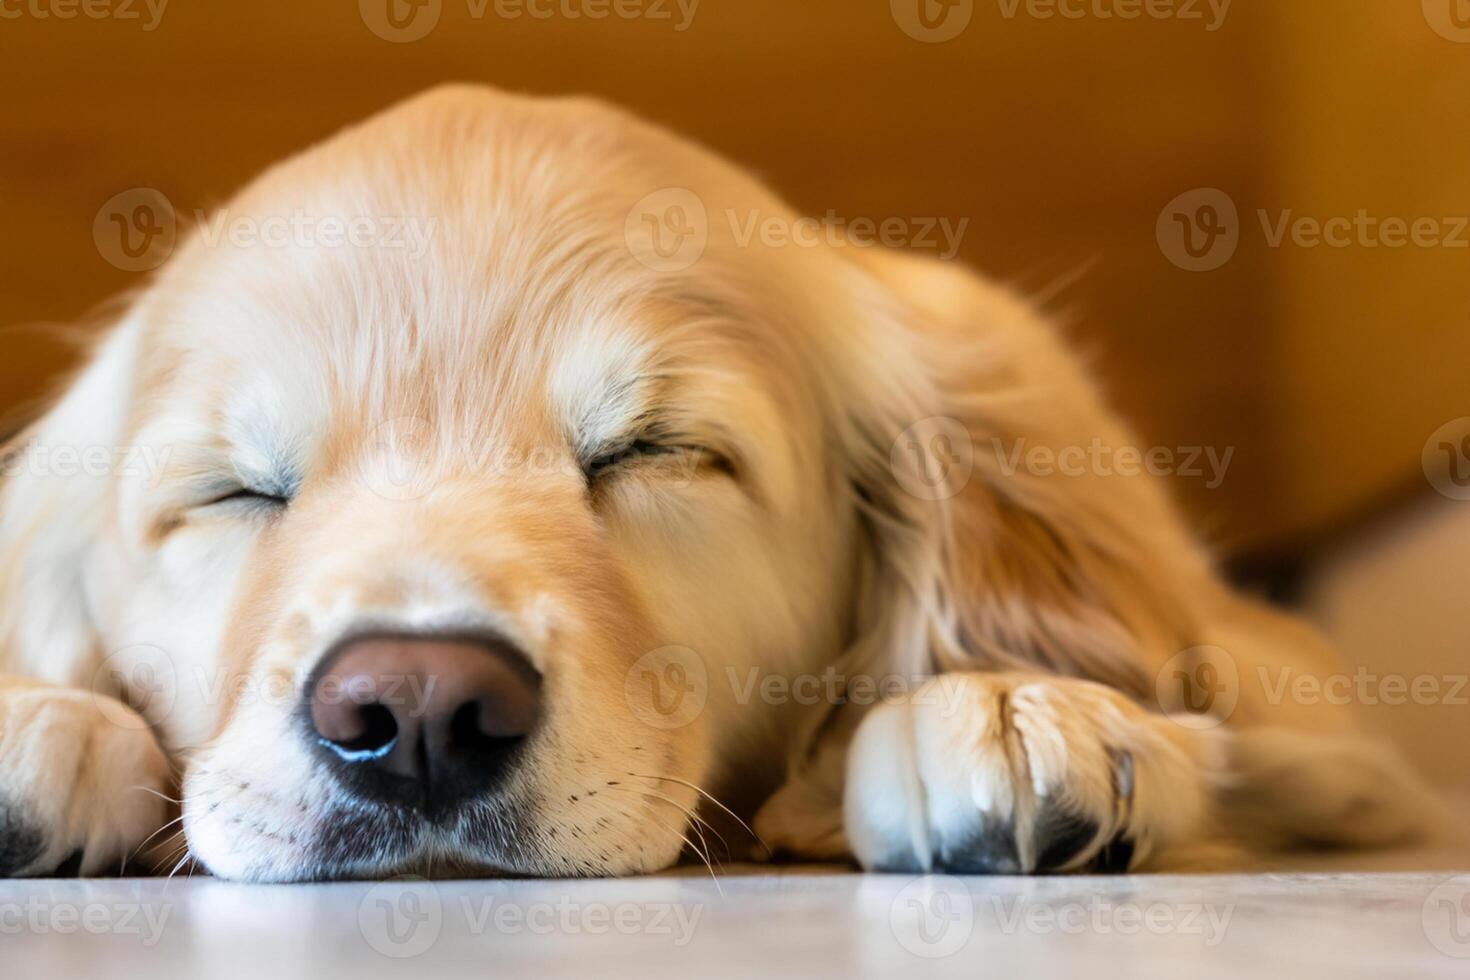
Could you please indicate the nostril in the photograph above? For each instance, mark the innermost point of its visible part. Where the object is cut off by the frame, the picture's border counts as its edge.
(464, 727)
(471, 730)
(370, 735)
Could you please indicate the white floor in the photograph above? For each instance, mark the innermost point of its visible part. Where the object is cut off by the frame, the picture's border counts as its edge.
(761, 922)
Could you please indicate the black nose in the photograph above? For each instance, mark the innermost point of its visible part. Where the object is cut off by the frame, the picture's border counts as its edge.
(423, 721)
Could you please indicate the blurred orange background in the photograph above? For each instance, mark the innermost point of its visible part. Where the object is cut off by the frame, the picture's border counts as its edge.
(1061, 131)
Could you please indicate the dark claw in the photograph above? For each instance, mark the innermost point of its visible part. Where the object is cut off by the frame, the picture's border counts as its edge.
(1061, 836)
(21, 843)
(70, 868)
(990, 851)
(1114, 858)
(1117, 855)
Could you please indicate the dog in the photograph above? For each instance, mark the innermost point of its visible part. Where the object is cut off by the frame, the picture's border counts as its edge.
(590, 525)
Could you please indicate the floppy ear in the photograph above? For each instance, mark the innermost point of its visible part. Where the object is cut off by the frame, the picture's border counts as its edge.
(1003, 536)
(976, 557)
(58, 477)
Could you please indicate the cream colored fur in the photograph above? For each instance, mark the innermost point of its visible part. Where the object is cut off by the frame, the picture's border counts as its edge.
(432, 415)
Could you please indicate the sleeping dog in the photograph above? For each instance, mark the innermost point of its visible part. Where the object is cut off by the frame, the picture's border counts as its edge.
(590, 523)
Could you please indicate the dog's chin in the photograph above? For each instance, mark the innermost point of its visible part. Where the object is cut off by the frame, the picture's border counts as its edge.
(347, 842)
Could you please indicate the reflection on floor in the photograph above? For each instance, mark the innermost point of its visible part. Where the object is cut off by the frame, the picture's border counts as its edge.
(755, 921)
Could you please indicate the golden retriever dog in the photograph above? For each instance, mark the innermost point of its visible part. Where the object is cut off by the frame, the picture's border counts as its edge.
(590, 522)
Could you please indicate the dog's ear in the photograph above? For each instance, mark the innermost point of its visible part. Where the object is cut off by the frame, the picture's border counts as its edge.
(1003, 533)
(1000, 533)
(58, 477)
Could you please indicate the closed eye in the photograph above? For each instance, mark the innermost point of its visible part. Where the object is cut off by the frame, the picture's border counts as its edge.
(687, 458)
(247, 496)
(624, 455)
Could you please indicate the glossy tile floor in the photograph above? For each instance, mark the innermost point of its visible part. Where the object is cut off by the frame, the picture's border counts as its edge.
(753, 922)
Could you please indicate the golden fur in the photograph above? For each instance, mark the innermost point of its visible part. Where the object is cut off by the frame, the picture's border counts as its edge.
(433, 415)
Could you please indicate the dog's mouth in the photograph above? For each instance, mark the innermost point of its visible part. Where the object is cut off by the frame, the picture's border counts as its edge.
(347, 840)
(386, 842)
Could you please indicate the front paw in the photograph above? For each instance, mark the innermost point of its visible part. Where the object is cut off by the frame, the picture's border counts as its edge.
(80, 787)
(1020, 774)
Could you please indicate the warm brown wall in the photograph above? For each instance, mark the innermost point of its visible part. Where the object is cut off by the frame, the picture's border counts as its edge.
(1369, 346)
(1060, 140)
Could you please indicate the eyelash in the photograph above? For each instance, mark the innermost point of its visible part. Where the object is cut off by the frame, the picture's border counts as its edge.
(594, 468)
(700, 458)
(253, 496)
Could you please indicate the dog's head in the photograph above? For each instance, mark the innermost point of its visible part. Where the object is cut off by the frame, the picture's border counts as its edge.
(455, 538)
